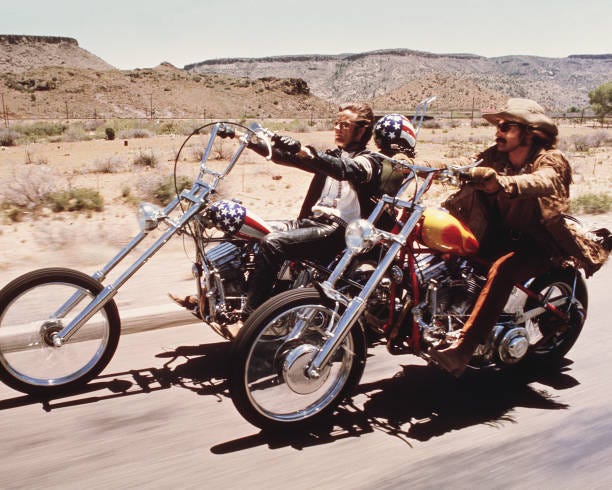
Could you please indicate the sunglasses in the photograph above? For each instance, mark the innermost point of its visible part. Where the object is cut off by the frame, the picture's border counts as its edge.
(342, 124)
(347, 124)
(505, 126)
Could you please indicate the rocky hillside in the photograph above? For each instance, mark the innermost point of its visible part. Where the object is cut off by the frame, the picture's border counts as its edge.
(163, 91)
(558, 83)
(52, 77)
(22, 53)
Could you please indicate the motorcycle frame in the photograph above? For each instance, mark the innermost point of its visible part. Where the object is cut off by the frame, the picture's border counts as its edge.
(401, 240)
(197, 196)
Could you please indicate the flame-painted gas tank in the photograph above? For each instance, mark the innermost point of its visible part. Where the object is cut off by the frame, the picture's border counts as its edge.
(440, 230)
(234, 219)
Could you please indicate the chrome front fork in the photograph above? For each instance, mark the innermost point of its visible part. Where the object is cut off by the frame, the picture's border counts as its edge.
(357, 305)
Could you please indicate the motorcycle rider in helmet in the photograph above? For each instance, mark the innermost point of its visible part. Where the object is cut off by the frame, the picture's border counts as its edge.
(344, 187)
(394, 135)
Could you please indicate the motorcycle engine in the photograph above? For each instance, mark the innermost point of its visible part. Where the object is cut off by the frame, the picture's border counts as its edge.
(453, 287)
(226, 258)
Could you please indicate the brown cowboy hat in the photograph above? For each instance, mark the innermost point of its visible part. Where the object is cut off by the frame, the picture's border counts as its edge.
(524, 111)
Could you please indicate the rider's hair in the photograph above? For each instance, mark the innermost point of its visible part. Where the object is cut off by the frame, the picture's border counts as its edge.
(539, 138)
(365, 117)
(542, 138)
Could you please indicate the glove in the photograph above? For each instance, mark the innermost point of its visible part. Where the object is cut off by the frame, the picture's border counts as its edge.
(484, 179)
(225, 131)
(286, 143)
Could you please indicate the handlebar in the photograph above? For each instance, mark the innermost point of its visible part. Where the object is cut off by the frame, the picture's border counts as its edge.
(457, 175)
(254, 132)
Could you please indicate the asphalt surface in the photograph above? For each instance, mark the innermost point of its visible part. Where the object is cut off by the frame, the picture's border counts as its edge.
(160, 416)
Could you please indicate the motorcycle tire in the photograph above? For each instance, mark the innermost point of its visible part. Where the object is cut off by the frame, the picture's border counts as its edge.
(559, 283)
(267, 377)
(29, 362)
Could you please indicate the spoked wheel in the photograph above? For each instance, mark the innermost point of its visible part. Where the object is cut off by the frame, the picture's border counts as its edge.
(269, 383)
(31, 312)
(552, 338)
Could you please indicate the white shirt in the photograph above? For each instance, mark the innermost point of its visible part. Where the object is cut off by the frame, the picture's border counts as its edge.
(339, 198)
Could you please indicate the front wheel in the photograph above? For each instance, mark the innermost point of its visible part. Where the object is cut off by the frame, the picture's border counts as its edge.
(268, 381)
(31, 311)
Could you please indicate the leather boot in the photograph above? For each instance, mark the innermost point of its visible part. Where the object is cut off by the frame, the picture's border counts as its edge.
(455, 358)
(190, 303)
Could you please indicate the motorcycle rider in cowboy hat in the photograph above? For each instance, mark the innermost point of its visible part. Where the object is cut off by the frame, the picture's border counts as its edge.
(515, 206)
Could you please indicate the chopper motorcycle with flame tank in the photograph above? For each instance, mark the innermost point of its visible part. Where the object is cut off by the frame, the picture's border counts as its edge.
(303, 351)
(60, 327)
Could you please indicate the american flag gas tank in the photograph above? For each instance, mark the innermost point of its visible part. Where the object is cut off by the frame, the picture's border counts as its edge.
(234, 219)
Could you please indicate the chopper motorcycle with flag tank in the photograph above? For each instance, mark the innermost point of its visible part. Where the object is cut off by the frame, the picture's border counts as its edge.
(60, 327)
(302, 352)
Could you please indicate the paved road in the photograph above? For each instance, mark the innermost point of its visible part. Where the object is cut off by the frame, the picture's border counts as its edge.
(160, 417)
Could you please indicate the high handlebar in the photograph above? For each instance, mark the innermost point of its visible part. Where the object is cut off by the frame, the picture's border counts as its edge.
(254, 132)
(448, 174)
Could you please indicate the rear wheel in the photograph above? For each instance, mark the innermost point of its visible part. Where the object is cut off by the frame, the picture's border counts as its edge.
(29, 316)
(268, 381)
(552, 337)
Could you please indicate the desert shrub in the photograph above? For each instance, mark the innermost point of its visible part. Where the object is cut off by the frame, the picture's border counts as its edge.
(454, 151)
(197, 154)
(127, 196)
(432, 124)
(600, 138)
(591, 203)
(222, 150)
(92, 125)
(77, 199)
(168, 127)
(110, 165)
(165, 190)
(43, 129)
(146, 159)
(135, 133)
(584, 142)
(12, 212)
(8, 137)
(32, 159)
(29, 188)
(109, 133)
(76, 133)
(480, 140)
(478, 123)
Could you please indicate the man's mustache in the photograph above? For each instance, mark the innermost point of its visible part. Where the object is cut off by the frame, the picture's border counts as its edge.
(500, 140)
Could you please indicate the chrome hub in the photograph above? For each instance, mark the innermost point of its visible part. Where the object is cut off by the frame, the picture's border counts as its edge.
(513, 345)
(295, 368)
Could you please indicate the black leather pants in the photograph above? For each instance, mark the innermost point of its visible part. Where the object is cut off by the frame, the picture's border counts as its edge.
(300, 239)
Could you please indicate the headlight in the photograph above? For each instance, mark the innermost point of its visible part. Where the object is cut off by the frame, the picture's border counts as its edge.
(149, 216)
(360, 236)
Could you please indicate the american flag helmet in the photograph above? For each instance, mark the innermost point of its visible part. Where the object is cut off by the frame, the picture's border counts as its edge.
(395, 131)
(227, 215)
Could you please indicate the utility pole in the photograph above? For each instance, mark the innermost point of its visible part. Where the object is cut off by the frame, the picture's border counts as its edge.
(472, 118)
(67, 114)
(151, 105)
(4, 114)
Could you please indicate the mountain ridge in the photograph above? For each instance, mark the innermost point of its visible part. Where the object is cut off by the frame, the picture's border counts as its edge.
(558, 83)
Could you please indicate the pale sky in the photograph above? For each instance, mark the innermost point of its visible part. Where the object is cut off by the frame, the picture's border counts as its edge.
(138, 34)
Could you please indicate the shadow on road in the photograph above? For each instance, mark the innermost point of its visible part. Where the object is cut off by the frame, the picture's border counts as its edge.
(416, 404)
(201, 369)
(421, 402)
